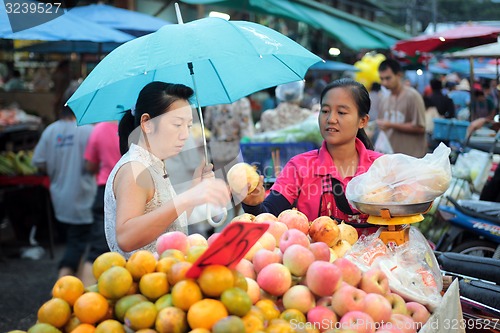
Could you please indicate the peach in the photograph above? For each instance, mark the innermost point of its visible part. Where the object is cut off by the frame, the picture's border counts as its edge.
(172, 240)
(299, 297)
(293, 236)
(275, 279)
(322, 318)
(297, 259)
(351, 273)
(374, 280)
(319, 272)
(347, 298)
(294, 220)
(324, 229)
(320, 250)
(359, 321)
(264, 257)
(378, 307)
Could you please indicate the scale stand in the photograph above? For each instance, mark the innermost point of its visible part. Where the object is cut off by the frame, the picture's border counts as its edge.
(397, 228)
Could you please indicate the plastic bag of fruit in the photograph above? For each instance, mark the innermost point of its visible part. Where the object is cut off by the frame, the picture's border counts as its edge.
(403, 179)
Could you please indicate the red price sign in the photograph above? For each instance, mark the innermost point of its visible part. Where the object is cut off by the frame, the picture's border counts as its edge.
(229, 247)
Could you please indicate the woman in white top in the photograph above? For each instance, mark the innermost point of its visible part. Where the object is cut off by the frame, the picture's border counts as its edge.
(140, 202)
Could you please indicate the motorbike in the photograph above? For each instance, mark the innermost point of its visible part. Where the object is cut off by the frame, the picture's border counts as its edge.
(473, 227)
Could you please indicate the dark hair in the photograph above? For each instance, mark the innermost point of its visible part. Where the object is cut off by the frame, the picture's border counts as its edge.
(436, 85)
(361, 98)
(154, 99)
(390, 63)
(376, 86)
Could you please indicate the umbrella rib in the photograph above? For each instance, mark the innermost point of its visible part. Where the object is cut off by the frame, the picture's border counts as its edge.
(88, 105)
(300, 77)
(223, 86)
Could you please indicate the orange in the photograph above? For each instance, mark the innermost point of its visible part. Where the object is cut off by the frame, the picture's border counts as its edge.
(230, 324)
(84, 328)
(239, 280)
(164, 264)
(140, 263)
(72, 323)
(91, 307)
(199, 330)
(178, 272)
(269, 309)
(279, 326)
(154, 285)
(252, 323)
(293, 314)
(236, 301)
(146, 330)
(110, 326)
(55, 312)
(171, 320)
(68, 288)
(185, 293)
(115, 282)
(141, 315)
(257, 312)
(163, 302)
(125, 303)
(214, 279)
(105, 261)
(173, 253)
(43, 328)
(205, 313)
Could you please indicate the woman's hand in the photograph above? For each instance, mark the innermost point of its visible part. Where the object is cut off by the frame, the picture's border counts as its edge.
(202, 172)
(257, 196)
(209, 191)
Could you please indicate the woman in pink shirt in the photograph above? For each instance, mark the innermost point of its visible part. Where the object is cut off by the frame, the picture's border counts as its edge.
(314, 182)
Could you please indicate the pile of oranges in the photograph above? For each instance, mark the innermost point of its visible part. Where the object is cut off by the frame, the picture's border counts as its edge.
(144, 294)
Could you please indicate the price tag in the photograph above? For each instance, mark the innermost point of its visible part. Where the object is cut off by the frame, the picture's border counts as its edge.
(229, 247)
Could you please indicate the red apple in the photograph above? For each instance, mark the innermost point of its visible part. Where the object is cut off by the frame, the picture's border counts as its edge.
(172, 240)
(347, 298)
(268, 241)
(293, 236)
(418, 312)
(398, 304)
(320, 250)
(404, 323)
(322, 318)
(318, 273)
(264, 257)
(325, 301)
(351, 273)
(265, 218)
(256, 247)
(299, 297)
(294, 220)
(324, 229)
(246, 268)
(277, 229)
(275, 279)
(297, 259)
(374, 280)
(378, 307)
(359, 321)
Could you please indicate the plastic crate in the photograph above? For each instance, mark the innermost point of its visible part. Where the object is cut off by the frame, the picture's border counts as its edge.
(450, 129)
(261, 154)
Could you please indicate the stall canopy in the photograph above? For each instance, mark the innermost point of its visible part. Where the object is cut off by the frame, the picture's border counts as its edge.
(354, 32)
(70, 47)
(131, 22)
(488, 51)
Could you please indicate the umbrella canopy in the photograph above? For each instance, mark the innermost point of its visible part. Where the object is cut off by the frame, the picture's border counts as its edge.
(64, 27)
(488, 51)
(230, 60)
(70, 47)
(333, 66)
(134, 23)
(463, 36)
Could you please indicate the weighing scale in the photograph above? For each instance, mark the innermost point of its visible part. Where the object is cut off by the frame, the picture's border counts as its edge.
(394, 219)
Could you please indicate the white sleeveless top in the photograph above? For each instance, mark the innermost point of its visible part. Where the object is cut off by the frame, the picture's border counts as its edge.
(164, 192)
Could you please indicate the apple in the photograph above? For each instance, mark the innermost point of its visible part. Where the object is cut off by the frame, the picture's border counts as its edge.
(253, 290)
(299, 297)
(265, 218)
(378, 307)
(341, 248)
(256, 247)
(246, 268)
(325, 301)
(374, 280)
(333, 255)
(418, 312)
(267, 241)
(359, 321)
(243, 218)
(351, 273)
(172, 240)
(404, 323)
(320, 250)
(322, 318)
(277, 229)
(293, 236)
(212, 238)
(346, 299)
(275, 279)
(324, 229)
(264, 257)
(388, 328)
(297, 259)
(197, 239)
(398, 304)
(319, 272)
(294, 220)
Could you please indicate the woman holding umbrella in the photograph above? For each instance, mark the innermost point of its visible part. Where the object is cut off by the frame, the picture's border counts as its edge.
(140, 202)
(315, 181)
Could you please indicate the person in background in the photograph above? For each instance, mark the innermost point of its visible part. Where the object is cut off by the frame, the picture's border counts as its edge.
(460, 95)
(15, 82)
(288, 112)
(483, 106)
(140, 203)
(101, 155)
(443, 104)
(61, 79)
(315, 181)
(59, 153)
(402, 112)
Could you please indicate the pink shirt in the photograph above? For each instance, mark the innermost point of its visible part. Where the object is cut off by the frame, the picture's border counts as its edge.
(103, 148)
(301, 179)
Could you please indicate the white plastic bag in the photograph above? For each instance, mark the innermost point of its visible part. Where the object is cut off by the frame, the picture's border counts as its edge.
(382, 145)
(403, 179)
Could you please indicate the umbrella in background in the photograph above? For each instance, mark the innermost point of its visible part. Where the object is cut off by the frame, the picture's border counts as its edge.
(333, 66)
(63, 47)
(131, 22)
(463, 36)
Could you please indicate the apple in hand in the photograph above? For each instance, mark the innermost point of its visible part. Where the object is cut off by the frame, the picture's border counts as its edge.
(418, 312)
(347, 298)
(351, 273)
(374, 280)
(398, 304)
(297, 259)
(378, 307)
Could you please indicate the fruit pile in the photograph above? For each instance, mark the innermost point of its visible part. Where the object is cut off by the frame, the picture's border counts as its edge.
(287, 282)
(12, 164)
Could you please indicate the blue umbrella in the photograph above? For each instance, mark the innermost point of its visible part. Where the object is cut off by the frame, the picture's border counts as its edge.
(135, 23)
(333, 66)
